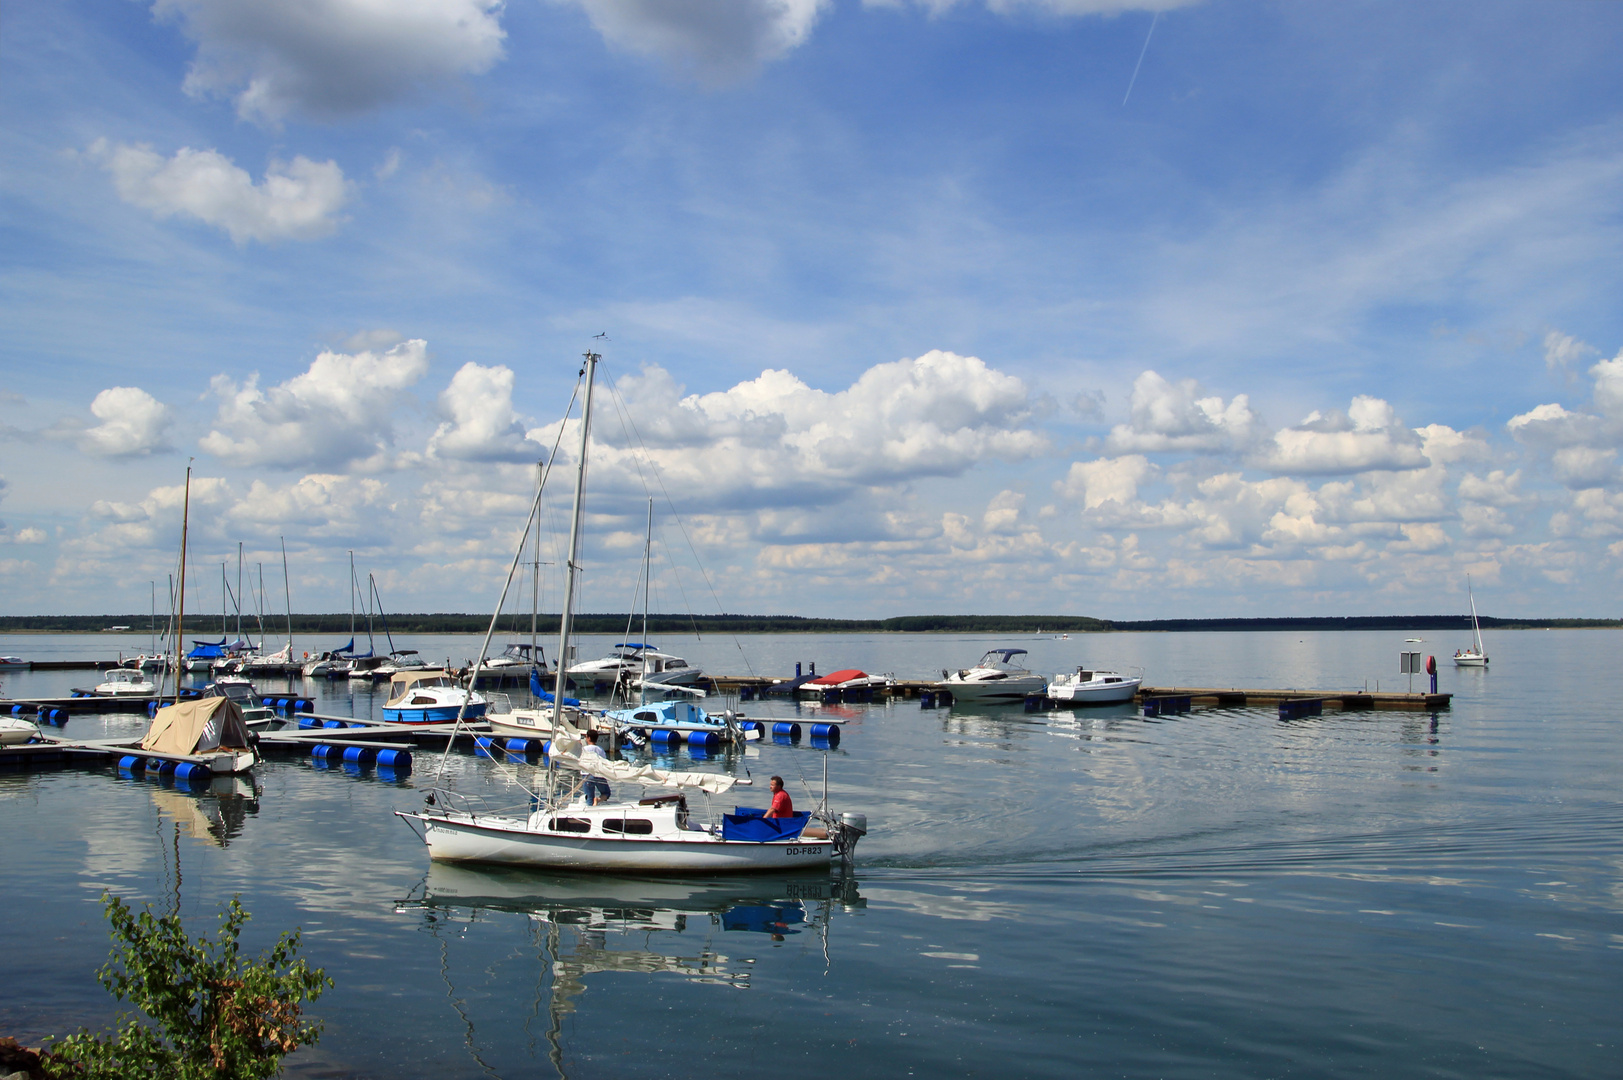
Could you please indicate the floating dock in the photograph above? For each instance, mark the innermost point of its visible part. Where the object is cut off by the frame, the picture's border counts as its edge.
(1344, 700)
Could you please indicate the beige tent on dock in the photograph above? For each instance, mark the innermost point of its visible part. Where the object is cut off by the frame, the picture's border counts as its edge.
(209, 728)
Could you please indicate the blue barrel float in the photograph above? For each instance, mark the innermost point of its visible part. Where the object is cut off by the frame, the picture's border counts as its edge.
(185, 770)
(321, 751)
(665, 736)
(485, 746)
(307, 722)
(399, 760)
(828, 732)
(132, 763)
(523, 746)
(333, 723)
(705, 739)
(358, 754)
(785, 733)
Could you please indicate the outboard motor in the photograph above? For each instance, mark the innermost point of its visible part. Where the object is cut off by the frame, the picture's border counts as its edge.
(845, 833)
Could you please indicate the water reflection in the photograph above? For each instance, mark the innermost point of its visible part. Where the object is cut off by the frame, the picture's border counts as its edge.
(215, 812)
(585, 926)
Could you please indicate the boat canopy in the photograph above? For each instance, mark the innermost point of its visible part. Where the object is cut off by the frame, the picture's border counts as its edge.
(834, 678)
(401, 681)
(207, 650)
(197, 727)
(1001, 656)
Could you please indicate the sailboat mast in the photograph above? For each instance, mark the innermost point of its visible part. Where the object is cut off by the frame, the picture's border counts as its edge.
(180, 620)
(535, 570)
(572, 567)
(647, 549)
(239, 590)
(287, 591)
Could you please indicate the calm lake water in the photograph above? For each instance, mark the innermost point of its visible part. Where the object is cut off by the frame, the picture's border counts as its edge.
(1054, 894)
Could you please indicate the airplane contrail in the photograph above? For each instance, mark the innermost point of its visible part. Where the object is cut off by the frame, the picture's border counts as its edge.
(1140, 63)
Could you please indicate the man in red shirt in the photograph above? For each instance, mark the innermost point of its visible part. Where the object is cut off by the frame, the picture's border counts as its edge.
(781, 806)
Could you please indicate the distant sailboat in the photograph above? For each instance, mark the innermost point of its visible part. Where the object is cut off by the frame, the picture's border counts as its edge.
(1473, 654)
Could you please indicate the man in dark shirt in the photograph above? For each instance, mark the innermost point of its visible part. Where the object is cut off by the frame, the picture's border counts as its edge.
(781, 806)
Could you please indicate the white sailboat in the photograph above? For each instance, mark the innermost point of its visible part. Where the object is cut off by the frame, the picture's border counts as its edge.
(1472, 655)
(559, 829)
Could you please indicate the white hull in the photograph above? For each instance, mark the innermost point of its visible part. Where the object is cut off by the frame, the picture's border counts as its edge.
(1093, 693)
(14, 731)
(1468, 659)
(511, 841)
(1014, 688)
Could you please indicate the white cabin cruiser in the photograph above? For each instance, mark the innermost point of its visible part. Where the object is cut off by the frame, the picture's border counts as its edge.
(1000, 676)
(255, 714)
(628, 663)
(1090, 686)
(430, 696)
(124, 682)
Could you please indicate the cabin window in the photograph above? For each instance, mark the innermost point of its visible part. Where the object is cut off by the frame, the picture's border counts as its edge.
(639, 826)
(570, 824)
(645, 716)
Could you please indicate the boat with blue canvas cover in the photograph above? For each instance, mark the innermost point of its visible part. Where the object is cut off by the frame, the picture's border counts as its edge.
(204, 654)
(430, 696)
(676, 715)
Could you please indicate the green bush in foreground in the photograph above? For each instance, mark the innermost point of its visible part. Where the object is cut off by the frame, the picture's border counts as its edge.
(214, 1016)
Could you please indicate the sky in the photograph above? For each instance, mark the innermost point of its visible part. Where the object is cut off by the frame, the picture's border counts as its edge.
(1125, 308)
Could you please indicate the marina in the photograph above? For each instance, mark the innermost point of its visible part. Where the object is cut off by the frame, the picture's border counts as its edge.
(1269, 840)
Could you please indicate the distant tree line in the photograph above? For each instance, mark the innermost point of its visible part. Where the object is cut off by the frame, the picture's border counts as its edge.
(337, 625)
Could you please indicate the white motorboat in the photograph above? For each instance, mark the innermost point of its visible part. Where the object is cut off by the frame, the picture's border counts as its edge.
(401, 660)
(430, 696)
(622, 665)
(14, 663)
(517, 658)
(1000, 676)
(1090, 686)
(14, 731)
(255, 714)
(1473, 654)
(557, 828)
(124, 682)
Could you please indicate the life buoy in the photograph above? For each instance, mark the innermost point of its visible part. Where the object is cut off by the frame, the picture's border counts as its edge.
(1431, 665)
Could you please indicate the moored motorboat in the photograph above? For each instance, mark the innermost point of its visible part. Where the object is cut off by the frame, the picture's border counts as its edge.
(1091, 686)
(14, 731)
(255, 713)
(123, 682)
(14, 663)
(843, 680)
(430, 696)
(1000, 676)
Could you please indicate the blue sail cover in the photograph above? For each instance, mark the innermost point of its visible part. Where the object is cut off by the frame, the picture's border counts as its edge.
(546, 695)
(207, 650)
(751, 824)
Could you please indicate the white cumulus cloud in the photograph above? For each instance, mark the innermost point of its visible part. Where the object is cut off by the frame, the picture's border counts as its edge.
(295, 201)
(133, 422)
(337, 413)
(482, 424)
(775, 441)
(714, 41)
(1368, 436)
(331, 57)
(1168, 416)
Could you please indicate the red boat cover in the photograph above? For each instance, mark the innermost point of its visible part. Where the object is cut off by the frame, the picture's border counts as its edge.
(837, 677)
